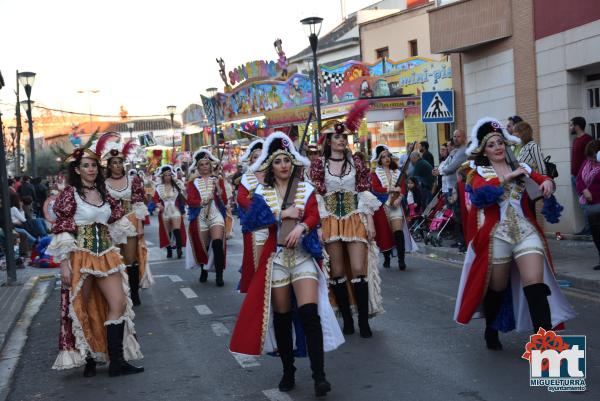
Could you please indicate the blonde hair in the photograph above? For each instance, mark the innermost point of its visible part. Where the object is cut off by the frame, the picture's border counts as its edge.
(524, 130)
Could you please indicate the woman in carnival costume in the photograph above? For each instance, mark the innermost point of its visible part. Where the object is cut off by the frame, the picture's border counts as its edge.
(207, 202)
(253, 241)
(346, 206)
(287, 262)
(508, 273)
(390, 222)
(129, 191)
(96, 311)
(170, 200)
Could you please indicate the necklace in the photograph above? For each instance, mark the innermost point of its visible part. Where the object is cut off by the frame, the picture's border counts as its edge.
(119, 177)
(89, 188)
(341, 159)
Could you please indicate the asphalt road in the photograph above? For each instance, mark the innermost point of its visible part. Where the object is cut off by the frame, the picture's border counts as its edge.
(417, 351)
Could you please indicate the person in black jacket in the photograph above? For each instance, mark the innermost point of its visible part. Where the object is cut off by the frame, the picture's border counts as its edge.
(425, 153)
(41, 193)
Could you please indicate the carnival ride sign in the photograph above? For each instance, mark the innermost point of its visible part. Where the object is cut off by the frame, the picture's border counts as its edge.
(254, 69)
(353, 79)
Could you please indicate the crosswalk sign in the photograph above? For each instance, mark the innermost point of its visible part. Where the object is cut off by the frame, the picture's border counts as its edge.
(437, 106)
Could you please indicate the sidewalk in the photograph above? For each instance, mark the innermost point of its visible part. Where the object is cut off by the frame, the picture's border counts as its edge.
(13, 299)
(573, 261)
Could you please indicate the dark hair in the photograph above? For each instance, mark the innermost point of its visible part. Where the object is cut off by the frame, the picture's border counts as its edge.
(592, 148)
(327, 152)
(15, 200)
(11, 182)
(416, 190)
(269, 178)
(108, 172)
(515, 119)
(424, 144)
(393, 164)
(27, 200)
(579, 121)
(74, 180)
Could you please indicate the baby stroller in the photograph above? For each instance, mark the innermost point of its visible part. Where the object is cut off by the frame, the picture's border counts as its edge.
(439, 222)
(418, 226)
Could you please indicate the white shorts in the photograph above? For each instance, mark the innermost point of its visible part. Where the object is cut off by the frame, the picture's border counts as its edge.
(215, 218)
(393, 214)
(283, 275)
(504, 251)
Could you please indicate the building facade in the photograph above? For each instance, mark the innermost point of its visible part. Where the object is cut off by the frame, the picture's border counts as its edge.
(537, 59)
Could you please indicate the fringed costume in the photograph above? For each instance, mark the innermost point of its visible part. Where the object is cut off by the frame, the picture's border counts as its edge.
(85, 234)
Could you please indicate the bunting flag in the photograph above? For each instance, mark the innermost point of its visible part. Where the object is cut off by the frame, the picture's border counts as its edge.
(209, 109)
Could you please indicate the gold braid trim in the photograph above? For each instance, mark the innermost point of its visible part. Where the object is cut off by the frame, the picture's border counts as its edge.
(267, 300)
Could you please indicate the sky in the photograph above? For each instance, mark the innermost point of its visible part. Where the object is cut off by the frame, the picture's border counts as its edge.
(144, 54)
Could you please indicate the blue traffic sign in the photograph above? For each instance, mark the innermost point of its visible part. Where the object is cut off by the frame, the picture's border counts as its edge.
(437, 106)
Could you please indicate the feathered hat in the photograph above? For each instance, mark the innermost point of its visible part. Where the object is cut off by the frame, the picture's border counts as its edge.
(277, 144)
(379, 149)
(483, 130)
(203, 154)
(164, 169)
(118, 149)
(254, 145)
(352, 123)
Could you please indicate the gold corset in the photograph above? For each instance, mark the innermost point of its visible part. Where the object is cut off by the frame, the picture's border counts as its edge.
(341, 204)
(126, 206)
(93, 237)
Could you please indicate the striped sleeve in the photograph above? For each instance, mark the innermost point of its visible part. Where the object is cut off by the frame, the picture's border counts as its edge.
(531, 154)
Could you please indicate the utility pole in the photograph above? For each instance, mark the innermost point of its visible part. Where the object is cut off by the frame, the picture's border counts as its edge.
(9, 250)
(19, 129)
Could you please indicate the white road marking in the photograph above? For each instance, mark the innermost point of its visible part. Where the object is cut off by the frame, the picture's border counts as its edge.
(174, 278)
(219, 329)
(188, 292)
(274, 394)
(246, 361)
(203, 310)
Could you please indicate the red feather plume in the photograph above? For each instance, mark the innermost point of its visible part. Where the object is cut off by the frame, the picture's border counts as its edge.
(129, 146)
(102, 141)
(356, 114)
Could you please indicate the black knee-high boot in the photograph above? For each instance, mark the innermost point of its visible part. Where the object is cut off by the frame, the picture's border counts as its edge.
(340, 292)
(282, 323)
(309, 314)
(203, 275)
(169, 251)
(361, 291)
(178, 242)
(386, 259)
(217, 248)
(133, 273)
(539, 308)
(399, 237)
(114, 338)
(90, 367)
(492, 302)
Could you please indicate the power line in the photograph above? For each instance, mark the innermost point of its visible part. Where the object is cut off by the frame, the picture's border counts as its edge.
(87, 114)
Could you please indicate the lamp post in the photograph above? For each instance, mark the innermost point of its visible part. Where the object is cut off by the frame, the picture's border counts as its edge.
(212, 92)
(171, 111)
(312, 26)
(130, 126)
(11, 268)
(27, 78)
(12, 130)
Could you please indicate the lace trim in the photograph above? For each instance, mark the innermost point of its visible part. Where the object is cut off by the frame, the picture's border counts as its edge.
(140, 210)
(121, 229)
(61, 246)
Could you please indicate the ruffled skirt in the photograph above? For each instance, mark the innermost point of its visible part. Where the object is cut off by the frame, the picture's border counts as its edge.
(348, 229)
(83, 330)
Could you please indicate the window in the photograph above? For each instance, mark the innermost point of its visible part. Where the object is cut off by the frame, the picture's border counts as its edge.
(413, 49)
(382, 53)
(595, 130)
(593, 98)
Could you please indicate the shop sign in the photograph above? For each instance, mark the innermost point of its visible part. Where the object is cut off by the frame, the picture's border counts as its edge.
(286, 117)
(254, 69)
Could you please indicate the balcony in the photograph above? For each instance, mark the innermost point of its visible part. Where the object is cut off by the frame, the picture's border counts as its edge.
(466, 24)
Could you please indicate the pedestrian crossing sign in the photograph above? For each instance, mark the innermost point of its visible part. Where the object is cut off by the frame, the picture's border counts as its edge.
(437, 106)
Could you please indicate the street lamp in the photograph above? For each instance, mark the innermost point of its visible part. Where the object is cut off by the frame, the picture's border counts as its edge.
(171, 111)
(27, 78)
(212, 93)
(130, 126)
(312, 27)
(12, 130)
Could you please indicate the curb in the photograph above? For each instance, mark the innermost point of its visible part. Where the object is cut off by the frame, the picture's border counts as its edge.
(457, 259)
(34, 293)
